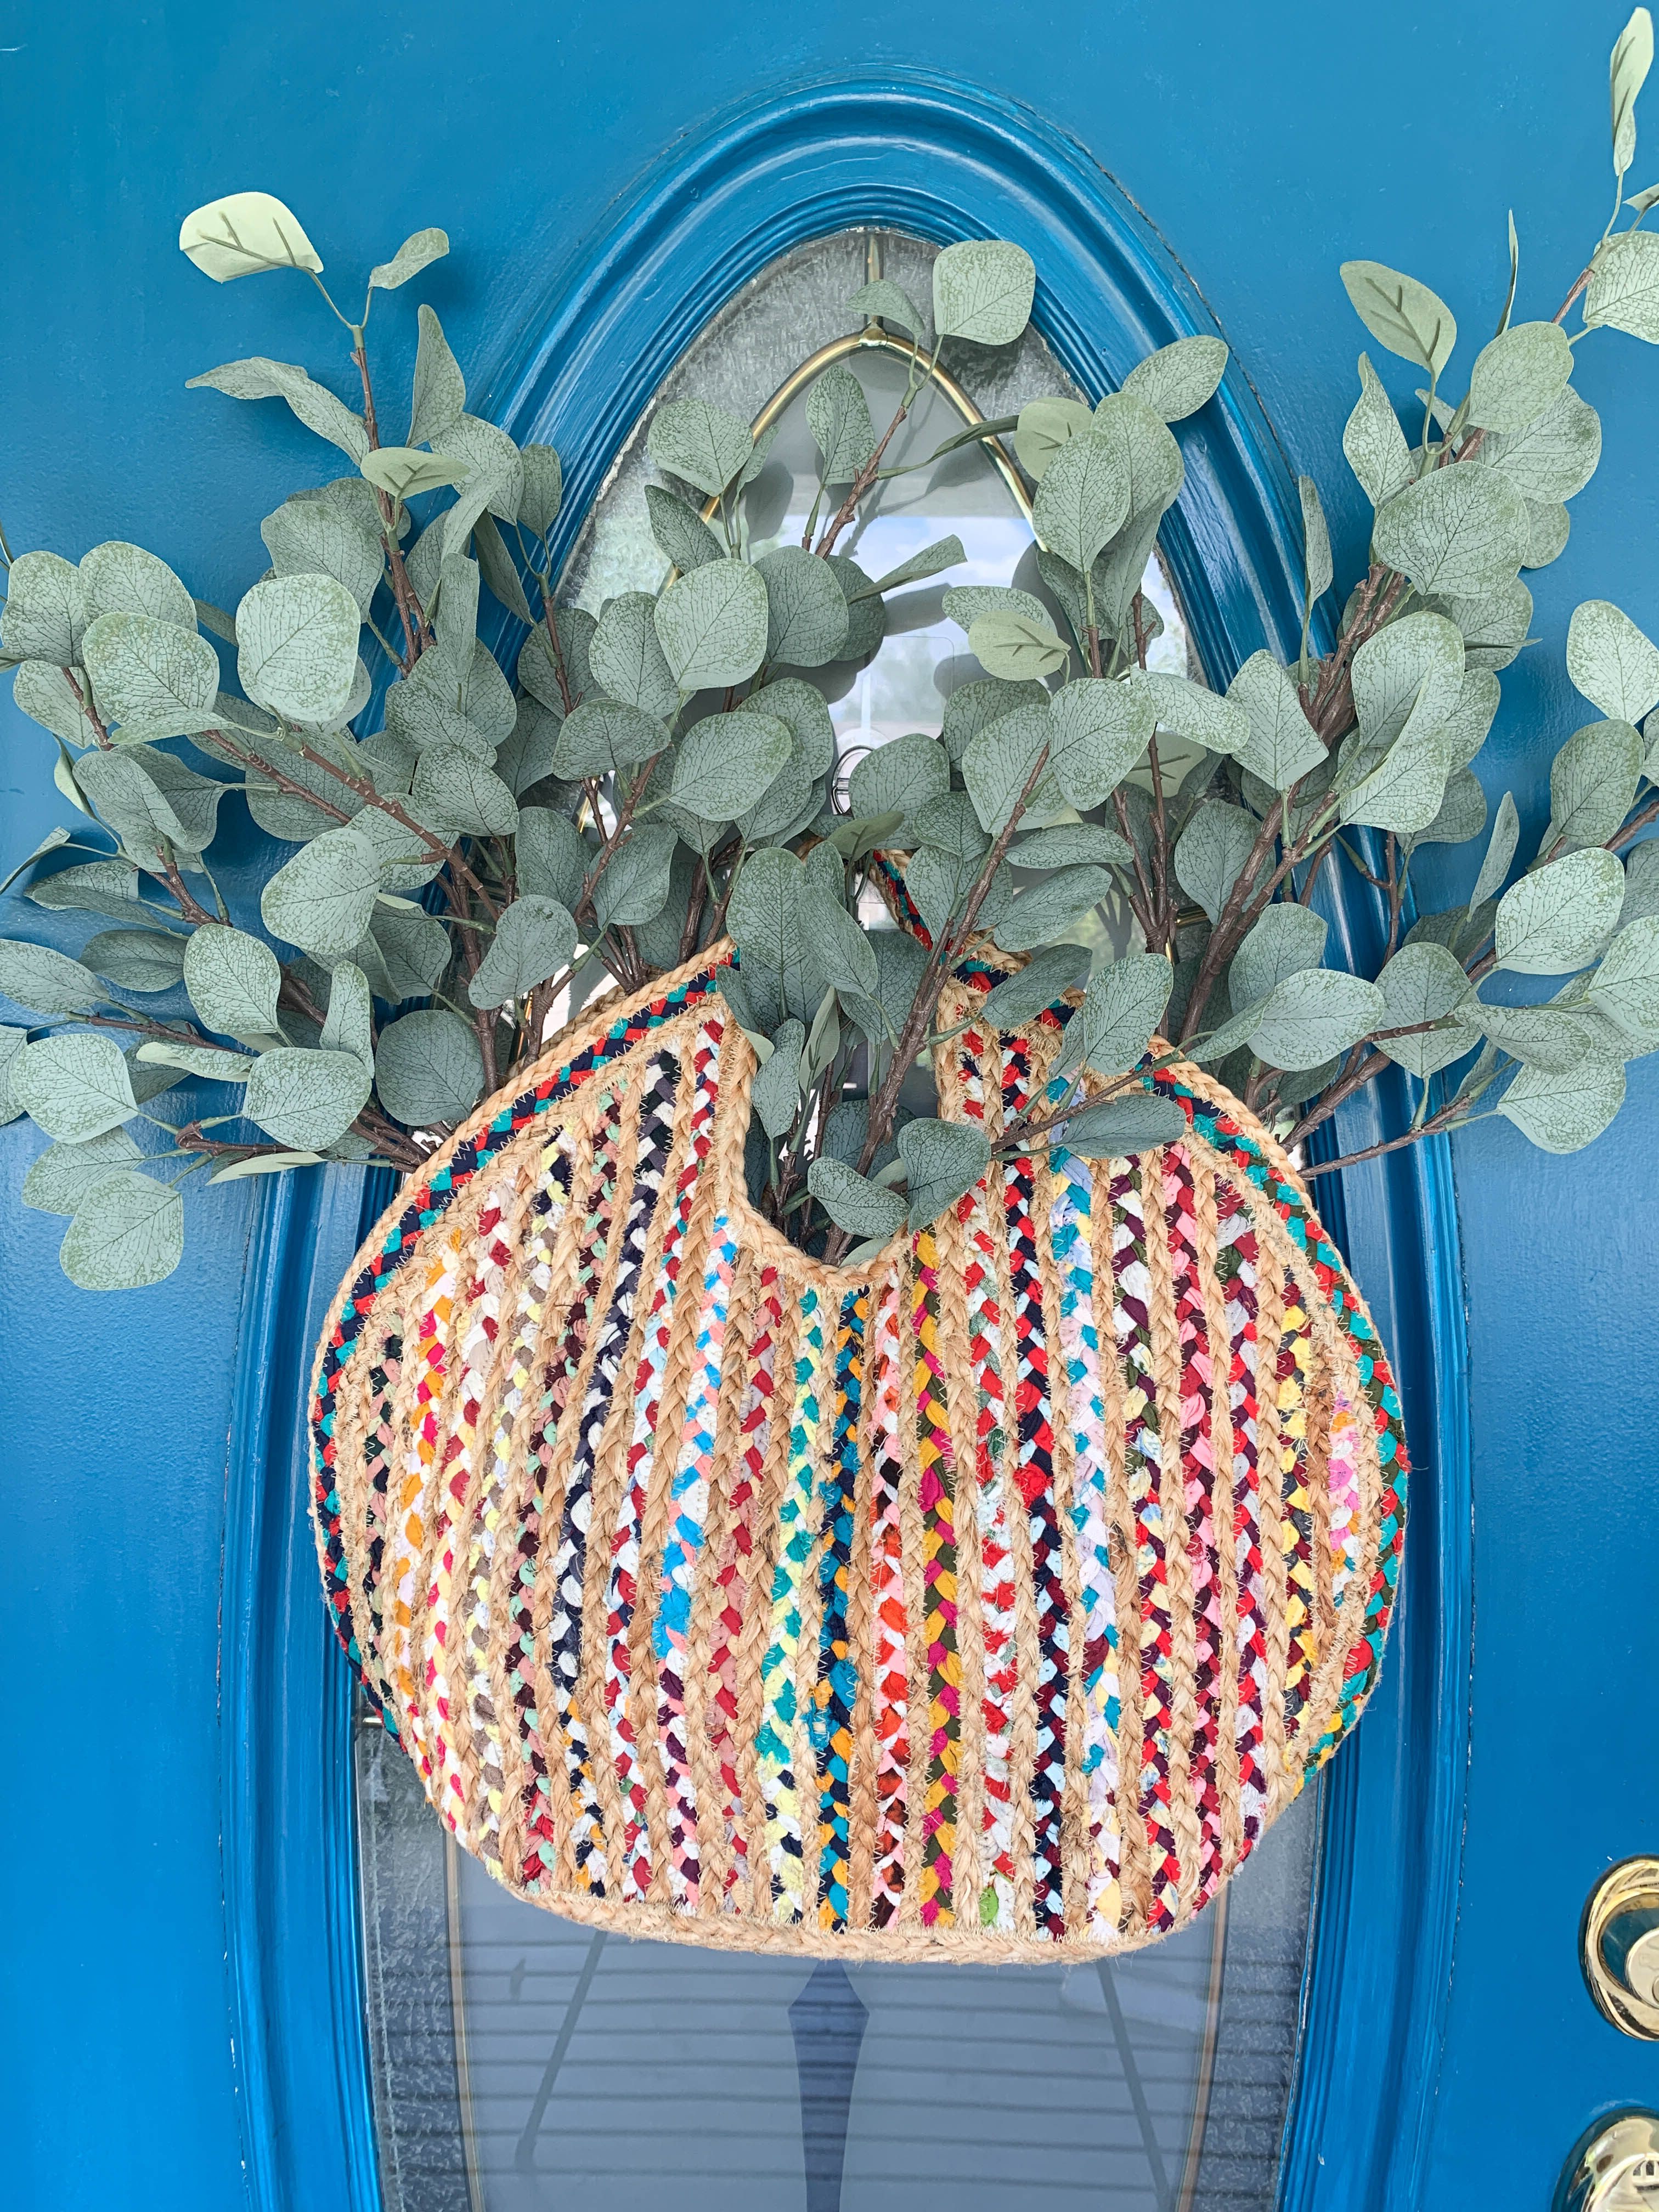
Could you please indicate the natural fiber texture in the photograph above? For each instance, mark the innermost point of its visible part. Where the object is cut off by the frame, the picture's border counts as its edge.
(984, 1602)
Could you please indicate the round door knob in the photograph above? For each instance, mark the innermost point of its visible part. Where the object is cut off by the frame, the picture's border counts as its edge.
(1619, 1948)
(1616, 2169)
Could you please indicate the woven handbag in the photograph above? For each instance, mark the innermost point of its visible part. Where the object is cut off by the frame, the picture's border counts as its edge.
(985, 1601)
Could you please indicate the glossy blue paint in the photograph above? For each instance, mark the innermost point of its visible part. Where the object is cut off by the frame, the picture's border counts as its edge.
(1265, 151)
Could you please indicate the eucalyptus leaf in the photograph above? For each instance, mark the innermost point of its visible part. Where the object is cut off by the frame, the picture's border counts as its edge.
(211, 1063)
(260, 377)
(297, 647)
(147, 796)
(682, 535)
(1559, 918)
(791, 700)
(49, 696)
(1522, 371)
(74, 1086)
(233, 980)
(1593, 782)
(460, 796)
(313, 536)
(1553, 458)
(943, 1161)
(60, 1177)
(307, 1099)
(1423, 983)
(888, 303)
(1059, 902)
(1611, 662)
(1083, 500)
(1313, 1015)
(1374, 442)
(983, 291)
(136, 959)
(322, 899)
(551, 857)
(1043, 982)
(944, 553)
(1626, 984)
(405, 471)
(838, 416)
(807, 616)
(543, 489)
(852, 1202)
(1551, 526)
(1069, 845)
(1121, 1009)
(1000, 761)
(414, 950)
(781, 965)
(1015, 647)
(1122, 1129)
(534, 939)
(418, 251)
(1178, 380)
(775, 1094)
(1206, 718)
(713, 624)
(146, 671)
(1284, 939)
(1563, 1109)
(1317, 540)
(1283, 745)
(428, 1069)
(1044, 426)
(347, 1024)
(1460, 531)
(973, 706)
(440, 394)
(633, 886)
(627, 661)
(128, 1231)
(965, 603)
(1623, 292)
(1462, 813)
(44, 615)
(538, 669)
(1401, 313)
(901, 777)
(724, 764)
(604, 734)
(1098, 732)
(703, 446)
(44, 982)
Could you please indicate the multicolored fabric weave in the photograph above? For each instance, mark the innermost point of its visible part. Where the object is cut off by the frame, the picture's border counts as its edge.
(986, 1602)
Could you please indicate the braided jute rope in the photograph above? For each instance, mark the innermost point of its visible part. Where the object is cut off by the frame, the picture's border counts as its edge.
(985, 1601)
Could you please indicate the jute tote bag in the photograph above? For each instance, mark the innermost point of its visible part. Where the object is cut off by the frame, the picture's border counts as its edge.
(985, 1601)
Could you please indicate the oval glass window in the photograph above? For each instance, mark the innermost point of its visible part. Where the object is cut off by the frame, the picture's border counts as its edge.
(523, 2062)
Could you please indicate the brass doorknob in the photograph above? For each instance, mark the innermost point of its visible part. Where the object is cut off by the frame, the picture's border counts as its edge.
(1617, 2171)
(1618, 1947)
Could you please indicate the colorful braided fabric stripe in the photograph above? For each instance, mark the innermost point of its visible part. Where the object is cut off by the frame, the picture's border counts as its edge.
(988, 1600)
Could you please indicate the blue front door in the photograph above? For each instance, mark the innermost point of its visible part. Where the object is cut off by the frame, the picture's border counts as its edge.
(206, 1978)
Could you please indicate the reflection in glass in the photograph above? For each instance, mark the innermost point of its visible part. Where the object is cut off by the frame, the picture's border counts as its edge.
(523, 2063)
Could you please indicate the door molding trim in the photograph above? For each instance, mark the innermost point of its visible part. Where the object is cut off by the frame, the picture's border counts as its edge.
(943, 161)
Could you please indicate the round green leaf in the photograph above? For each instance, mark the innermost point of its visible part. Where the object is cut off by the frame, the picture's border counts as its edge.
(901, 777)
(999, 761)
(983, 291)
(1521, 372)
(713, 625)
(62, 1176)
(1460, 531)
(702, 445)
(852, 1201)
(136, 959)
(1562, 1110)
(1041, 983)
(1122, 1129)
(1313, 1016)
(74, 1086)
(634, 885)
(1176, 380)
(1625, 986)
(45, 614)
(627, 659)
(1015, 645)
(128, 1231)
(1083, 500)
(233, 980)
(807, 616)
(116, 577)
(1059, 902)
(305, 1099)
(322, 899)
(318, 537)
(791, 700)
(1210, 851)
(1423, 983)
(775, 1095)
(428, 1069)
(725, 763)
(1098, 731)
(241, 233)
(1044, 426)
(942, 1160)
(1611, 662)
(1558, 919)
(1593, 780)
(1624, 287)
(534, 939)
(45, 982)
(459, 795)
(1122, 1008)
(297, 647)
(1400, 313)
(1283, 744)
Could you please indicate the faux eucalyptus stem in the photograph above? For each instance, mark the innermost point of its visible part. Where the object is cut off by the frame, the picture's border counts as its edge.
(553, 798)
